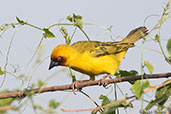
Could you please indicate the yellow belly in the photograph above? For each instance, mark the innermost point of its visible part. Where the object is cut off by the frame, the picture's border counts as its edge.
(97, 65)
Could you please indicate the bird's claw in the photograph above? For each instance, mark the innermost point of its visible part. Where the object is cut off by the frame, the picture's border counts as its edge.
(102, 80)
(74, 85)
(21, 95)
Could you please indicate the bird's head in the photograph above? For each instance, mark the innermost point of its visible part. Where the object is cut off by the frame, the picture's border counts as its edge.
(60, 55)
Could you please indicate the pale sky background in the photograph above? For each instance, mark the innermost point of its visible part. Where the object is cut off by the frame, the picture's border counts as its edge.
(123, 15)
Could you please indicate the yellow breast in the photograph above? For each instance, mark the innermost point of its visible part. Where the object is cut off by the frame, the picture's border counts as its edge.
(87, 64)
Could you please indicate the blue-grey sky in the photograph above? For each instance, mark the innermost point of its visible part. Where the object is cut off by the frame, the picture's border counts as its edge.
(123, 15)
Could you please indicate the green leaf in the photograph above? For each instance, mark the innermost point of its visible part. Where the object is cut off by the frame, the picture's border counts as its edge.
(169, 46)
(164, 91)
(70, 18)
(78, 23)
(157, 101)
(149, 66)
(68, 40)
(105, 100)
(65, 35)
(111, 109)
(168, 4)
(113, 104)
(20, 21)
(73, 77)
(48, 34)
(53, 104)
(161, 96)
(40, 83)
(157, 37)
(168, 59)
(1, 71)
(38, 107)
(146, 84)
(77, 16)
(124, 73)
(151, 104)
(138, 87)
(163, 19)
(3, 27)
(76, 19)
(4, 102)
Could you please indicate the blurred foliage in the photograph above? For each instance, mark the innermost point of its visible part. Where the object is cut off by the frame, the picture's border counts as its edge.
(41, 84)
(5, 102)
(65, 35)
(162, 95)
(53, 104)
(113, 105)
(105, 99)
(139, 86)
(111, 109)
(149, 66)
(20, 21)
(47, 33)
(169, 46)
(1, 71)
(51, 109)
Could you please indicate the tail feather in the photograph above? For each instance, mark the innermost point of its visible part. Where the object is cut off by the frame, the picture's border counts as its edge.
(135, 35)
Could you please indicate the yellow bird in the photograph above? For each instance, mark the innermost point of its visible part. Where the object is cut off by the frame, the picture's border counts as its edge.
(94, 57)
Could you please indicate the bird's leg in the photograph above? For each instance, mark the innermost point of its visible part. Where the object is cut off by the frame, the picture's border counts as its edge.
(74, 85)
(102, 80)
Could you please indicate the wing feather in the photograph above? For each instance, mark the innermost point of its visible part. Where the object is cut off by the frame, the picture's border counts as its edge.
(96, 48)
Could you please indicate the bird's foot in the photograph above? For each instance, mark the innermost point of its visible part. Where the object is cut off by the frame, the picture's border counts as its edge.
(21, 94)
(102, 80)
(74, 85)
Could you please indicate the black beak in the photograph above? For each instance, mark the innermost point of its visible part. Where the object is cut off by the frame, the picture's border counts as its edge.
(53, 64)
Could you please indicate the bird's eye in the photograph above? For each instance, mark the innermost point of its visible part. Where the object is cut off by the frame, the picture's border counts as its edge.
(59, 58)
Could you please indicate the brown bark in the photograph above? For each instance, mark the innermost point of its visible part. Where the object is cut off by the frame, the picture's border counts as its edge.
(23, 93)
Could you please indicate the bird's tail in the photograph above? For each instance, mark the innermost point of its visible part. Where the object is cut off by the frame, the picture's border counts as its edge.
(135, 35)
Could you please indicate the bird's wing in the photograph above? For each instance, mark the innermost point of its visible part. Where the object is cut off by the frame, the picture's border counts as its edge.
(96, 48)
(83, 46)
(108, 48)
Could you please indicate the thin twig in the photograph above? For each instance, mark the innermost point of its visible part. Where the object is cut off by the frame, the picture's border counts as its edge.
(5, 108)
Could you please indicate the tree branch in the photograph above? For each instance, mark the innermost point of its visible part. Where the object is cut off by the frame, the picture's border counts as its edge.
(78, 85)
(126, 104)
(5, 108)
